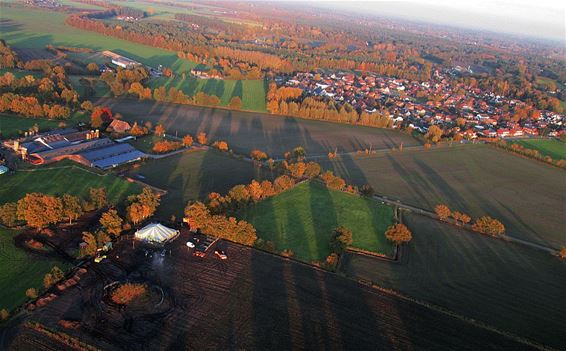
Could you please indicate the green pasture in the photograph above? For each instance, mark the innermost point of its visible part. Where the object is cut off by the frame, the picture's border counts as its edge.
(547, 147)
(20, 271)
(302, 219)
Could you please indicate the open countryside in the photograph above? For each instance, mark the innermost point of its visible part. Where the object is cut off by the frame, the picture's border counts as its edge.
(271, 175)
(469, 179)
(246, 131)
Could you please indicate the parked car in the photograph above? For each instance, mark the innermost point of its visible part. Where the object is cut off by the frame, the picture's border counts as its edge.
(99, 259)
(221, 254)
(190, 244)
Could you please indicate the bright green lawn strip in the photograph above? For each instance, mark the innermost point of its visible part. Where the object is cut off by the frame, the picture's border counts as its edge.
(63, 177)
(11, 126)
(302, 220)
(252, 92)
(20, 73)
(20, 271)
(34, 28)
(553, 148)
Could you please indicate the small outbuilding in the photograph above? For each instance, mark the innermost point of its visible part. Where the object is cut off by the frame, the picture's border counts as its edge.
(156, 233)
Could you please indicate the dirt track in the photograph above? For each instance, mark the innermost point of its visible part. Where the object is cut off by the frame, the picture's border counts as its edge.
(252, 301)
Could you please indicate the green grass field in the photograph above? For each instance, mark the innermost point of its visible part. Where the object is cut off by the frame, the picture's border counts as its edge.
(302, 220)
(63, 177)
(32, 28)
(509, 286)
(20, 73)
(526, 195)
(547, 147)
(252, 92)
(20, 271)
(84, 86)
(192, 175)
(11, 126)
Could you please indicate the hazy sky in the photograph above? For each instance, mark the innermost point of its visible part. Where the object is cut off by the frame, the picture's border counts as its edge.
(539, 18)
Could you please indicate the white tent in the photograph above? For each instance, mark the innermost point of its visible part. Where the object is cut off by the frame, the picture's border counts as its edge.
(156, 233)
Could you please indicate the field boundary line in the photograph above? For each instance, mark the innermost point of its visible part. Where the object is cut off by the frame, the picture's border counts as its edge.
(453, 314)
(375, 287)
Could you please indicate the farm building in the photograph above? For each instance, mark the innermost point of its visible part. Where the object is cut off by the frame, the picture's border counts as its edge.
(119, 126)
(85, 147)
(156, 233)
(121, 61)
(111, 156)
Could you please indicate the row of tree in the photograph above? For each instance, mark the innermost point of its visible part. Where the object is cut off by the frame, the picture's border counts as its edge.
(39, 210)
(484, 225)
(531, 153)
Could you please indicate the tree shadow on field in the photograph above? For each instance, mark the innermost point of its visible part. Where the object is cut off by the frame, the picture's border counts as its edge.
(238, 89)
(441, 186)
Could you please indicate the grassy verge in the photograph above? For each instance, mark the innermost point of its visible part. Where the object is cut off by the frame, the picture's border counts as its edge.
(302, 220)
(252, 92)
(547, 147)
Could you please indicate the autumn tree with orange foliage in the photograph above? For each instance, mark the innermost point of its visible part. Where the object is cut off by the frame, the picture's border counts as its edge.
(100, 116)
(399, 234)
(199, 218)
(442, 211)
(461, 218)
(187, 140)
(258, 155)
(40, 210)
(128, 292)
(221, 145)
(142, 206)
(159, 130)
(332, 181)
(202, 138)
(489, 226)
(164, 146)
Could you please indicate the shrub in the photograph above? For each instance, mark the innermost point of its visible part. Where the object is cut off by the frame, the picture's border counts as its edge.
(31, 293)
(367, 190)
(164, 146)
(128, 292)
(4, 314)
(287, 253)
(562, 253)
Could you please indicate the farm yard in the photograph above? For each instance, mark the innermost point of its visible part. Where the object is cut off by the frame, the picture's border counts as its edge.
(63, 177)
(547, 147)
(252, 92)
(302, 220)
(256, 301)
(192, 175)
(20, 271)
(526, 196)
(245, 131)
(506, 285)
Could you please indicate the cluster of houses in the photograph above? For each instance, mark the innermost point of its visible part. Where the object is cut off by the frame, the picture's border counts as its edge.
(422, 104)
(86, 147)
(205, 73)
